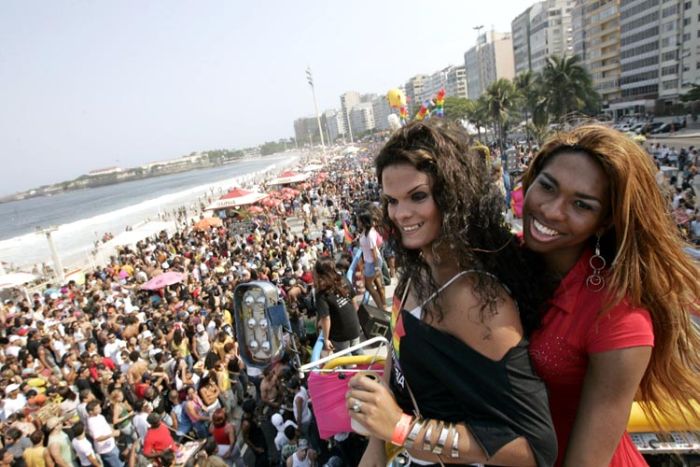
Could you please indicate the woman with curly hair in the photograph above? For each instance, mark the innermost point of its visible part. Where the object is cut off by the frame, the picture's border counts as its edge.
(459, 387)
(619, 324)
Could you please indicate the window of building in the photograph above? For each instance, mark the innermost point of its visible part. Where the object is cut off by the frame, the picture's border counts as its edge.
(686, 37)
(686, 21)
(687, 5)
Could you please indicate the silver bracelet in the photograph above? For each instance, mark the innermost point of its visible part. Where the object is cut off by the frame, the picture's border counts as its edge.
(427, 436)
(442, 438)
(413, 434)
(454, 451)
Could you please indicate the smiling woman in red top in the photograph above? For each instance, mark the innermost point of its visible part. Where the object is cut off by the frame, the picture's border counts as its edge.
(619, 323)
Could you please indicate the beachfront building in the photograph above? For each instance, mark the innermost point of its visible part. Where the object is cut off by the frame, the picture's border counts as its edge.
(520, 32)
(347, 101)
(414, 93)
(381, 112)
(306, 131)
(433, 84)
(541, 31)
(456, 82)
(362, 118)
(689, 54)
(489, 60)
(335, 124)
(596, 28)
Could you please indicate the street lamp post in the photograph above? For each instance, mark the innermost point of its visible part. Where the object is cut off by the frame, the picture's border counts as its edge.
(54, 254)
(310, 80)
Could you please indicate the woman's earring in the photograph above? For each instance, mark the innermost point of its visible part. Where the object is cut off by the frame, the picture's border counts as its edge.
(595, 281)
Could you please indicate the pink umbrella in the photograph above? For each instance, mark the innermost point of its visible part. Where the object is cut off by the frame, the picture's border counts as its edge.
(163, 280)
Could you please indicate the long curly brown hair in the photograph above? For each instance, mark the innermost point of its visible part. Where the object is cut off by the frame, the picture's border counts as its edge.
(473, 228)
(648, 265)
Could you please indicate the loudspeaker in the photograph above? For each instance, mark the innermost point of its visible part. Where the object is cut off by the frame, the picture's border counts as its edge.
(374, 321)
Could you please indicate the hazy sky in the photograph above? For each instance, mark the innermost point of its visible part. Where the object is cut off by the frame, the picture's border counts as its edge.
(88, 84)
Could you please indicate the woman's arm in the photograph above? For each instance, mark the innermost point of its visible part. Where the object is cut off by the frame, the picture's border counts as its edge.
(611, 381)
(375, 455)
(380, 414)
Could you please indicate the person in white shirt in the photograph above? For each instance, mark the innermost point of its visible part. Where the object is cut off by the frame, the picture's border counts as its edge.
(103, 435)
(113, 347)
(201, 343)
(14, 401)
(140, 422)
(83, 447)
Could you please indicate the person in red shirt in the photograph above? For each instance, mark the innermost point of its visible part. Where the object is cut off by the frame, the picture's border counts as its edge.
(618, 325)
(158, 439)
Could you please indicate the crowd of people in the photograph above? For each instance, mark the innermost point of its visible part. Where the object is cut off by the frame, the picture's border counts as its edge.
(107, 373)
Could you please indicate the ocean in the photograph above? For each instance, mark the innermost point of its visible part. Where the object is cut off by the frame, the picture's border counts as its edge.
(83, 216)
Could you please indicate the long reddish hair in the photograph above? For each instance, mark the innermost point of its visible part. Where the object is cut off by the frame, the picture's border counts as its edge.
(648, 265)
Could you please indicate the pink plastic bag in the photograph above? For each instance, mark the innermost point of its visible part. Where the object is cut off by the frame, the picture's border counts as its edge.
(327, 391)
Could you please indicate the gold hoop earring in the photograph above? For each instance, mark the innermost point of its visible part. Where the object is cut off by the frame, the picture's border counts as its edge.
(595, 281)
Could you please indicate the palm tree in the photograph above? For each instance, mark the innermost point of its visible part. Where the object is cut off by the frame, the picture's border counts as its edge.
(477, 114)
(567, 86)
(501, 98)
(526, 83)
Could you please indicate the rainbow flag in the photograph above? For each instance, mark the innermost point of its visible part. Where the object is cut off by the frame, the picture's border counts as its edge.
(347, 236)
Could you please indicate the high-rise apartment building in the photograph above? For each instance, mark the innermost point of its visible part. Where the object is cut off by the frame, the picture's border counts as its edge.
(689, 59)
(347, 101)
(456, 82)
(541, 31)
(520, 31)
(306, 130)
(335, 123)
(414, 93)
(489, 60)
(596, 40)
(381, 112)
(362, 118)
(651, 38)
(550, 31)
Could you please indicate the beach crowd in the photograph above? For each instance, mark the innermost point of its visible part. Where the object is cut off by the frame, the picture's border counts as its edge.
(105, 373)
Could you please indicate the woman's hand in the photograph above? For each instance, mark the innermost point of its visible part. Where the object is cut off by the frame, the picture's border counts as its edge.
(375, 407)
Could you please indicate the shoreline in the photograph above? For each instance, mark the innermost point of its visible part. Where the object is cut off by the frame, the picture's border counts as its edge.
(98, 253)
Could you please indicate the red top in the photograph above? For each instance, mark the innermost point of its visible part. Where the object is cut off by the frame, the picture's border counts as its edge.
(572, 330)
(220, 435)
(157, 439)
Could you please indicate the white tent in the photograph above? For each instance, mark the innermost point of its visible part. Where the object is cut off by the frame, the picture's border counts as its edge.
(289, 176)
(235, 198)
(16, 279)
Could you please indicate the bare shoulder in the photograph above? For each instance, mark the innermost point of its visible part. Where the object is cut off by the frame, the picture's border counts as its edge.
(487, 320)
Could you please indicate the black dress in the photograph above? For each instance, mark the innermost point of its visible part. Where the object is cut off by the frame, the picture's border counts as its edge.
(499, 401)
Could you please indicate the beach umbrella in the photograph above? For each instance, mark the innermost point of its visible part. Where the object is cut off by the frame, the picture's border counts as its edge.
(208, 222)
(163, 280)
(289, 176)
(235, 198)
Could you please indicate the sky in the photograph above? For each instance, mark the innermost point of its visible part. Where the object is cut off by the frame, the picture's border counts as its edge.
(87, 84)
